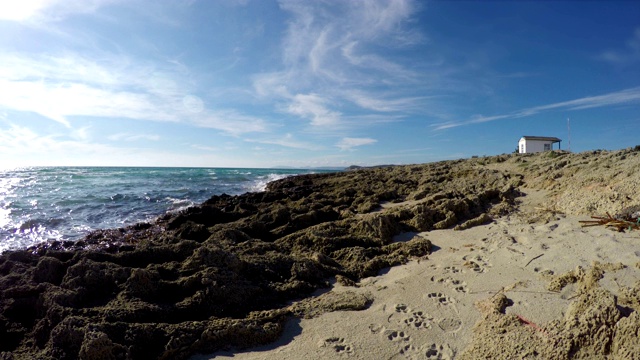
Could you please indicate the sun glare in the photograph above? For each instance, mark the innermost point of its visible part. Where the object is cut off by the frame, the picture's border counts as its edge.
(20, 10)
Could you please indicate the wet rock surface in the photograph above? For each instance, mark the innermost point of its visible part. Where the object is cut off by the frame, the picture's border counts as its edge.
(226, 273)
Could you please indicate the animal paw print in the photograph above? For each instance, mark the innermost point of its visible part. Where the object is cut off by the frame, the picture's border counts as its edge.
(410, 352)
(441, 298)
(396, 335)
(418, 320)
(438, 352)
(451, 269)
(402, 308)
(338, 345)
(459, 286)
(374, 328)
(476, 263)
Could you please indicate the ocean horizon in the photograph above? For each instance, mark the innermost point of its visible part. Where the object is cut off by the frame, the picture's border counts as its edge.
(39, 204)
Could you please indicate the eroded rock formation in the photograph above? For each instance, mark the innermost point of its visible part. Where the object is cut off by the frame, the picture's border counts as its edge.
(225, 273)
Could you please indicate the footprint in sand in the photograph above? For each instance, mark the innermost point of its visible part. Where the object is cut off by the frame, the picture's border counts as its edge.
(411, 352)
(418, 320)
(406, 348)
(441, 298)
(438, 352)
(402, 308)
(396, 335)
(461, 288)
(457, 285)
(476, 263)
(450, 325)
(374, 328)
(338, 345)
(450, 269)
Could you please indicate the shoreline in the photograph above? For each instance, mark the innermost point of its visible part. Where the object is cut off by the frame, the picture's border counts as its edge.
(67, 203)
(225, 273)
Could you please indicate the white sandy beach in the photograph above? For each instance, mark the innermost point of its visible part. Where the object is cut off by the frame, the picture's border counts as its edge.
(427, 309)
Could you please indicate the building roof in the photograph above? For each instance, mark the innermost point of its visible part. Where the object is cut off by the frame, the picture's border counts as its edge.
(542, 138)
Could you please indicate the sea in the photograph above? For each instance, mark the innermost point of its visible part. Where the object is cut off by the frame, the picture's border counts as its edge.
(40, 204)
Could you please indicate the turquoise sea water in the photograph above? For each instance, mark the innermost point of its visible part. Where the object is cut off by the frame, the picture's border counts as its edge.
(65, 203)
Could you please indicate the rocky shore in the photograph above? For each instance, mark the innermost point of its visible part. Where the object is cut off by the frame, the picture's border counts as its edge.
(230, 272)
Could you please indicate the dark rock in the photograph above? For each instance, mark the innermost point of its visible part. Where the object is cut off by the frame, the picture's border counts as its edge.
(224, 274)
(192, 231)
(49, 269)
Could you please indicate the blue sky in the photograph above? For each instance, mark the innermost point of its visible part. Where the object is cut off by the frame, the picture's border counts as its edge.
(257, 83)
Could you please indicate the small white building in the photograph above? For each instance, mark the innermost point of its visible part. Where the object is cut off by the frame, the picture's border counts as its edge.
(533, 144)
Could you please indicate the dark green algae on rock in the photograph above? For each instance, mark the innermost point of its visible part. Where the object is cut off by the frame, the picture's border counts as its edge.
(229, 272)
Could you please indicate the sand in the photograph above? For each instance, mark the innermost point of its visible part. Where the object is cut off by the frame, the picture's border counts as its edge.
(432, 308)
(483, 258)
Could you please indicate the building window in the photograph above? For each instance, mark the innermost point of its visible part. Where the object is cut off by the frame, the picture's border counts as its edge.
(547, 147)
(521, 148)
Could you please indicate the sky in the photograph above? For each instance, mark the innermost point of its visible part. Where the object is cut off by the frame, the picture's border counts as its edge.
(301, 83)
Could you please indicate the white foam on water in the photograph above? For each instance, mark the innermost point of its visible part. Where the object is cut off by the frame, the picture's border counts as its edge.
(40, 204)
(261, 183)
(5, 219)
(178, 205)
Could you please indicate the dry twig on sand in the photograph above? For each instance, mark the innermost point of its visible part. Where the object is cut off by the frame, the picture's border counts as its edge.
(533, 258)
(621, 223)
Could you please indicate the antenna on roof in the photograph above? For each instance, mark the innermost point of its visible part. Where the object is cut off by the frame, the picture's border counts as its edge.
(569, 135)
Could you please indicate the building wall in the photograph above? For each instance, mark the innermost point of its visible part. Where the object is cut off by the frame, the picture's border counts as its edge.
(533, 146)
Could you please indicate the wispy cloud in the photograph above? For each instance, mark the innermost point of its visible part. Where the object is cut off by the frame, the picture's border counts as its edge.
(23, 143)
(287, 140)
(627, 96)
(379, 102)
(349, 143)
(205, 148)
(629, 55)
(379, 63)
(330, 50)
(314, 107)
(230, 121)
(133, 137)
(61, 87)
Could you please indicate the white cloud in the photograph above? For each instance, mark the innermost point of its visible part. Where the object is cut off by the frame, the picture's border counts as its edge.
(379, 102)
(314, 107)
(62, 87)
(349, 143)
(230, 121)
(629, 55)
(288, 140)
(271, 85)
(21, 10)
(59, 101)
(626, 96)
(25, 10)
(21, 145)
(133, 137)
(321, 63)
(379, 63)
(205, 148)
